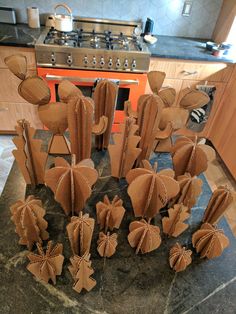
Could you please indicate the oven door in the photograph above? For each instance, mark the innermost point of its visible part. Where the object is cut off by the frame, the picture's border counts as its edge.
(131, 86)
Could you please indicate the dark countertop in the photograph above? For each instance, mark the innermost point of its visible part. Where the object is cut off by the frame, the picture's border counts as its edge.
(186, 48)
(126, 283)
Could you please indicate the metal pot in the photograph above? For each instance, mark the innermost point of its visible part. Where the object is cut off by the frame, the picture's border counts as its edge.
(63, 23)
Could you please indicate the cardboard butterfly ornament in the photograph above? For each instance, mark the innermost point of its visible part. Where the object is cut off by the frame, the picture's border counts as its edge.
(71, 184)
(150, 191)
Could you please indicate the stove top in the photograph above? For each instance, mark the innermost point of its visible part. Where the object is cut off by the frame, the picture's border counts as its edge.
(94, 45)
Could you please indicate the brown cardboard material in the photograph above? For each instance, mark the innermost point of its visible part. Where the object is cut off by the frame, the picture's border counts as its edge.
(155, 80)
(35, 90)
(188, 156)
(46, 266)
(144, 236)
(110, 214)
(128, 111)
(149, 115)
(28, 218)
(190, 189)
(220, 200)
(30, 159)
(194, 99)
(17, 64)
(174, 225)
(177, 116)
(179, 257)
(105, 96)
(107, 244)
(81, 272)
(67, 90)
(209, 241)
(80, 231)
(71, 184)
(124, 152)
(58, 145)
(150, 191)
(167, 95)
(101, 127)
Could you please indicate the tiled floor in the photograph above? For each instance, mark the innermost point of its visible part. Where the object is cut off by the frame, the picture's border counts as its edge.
(6, 158)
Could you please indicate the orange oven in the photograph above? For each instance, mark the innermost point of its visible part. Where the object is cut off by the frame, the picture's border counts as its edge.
(131, 85)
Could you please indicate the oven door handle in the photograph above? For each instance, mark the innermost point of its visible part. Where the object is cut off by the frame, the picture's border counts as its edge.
(50, 77)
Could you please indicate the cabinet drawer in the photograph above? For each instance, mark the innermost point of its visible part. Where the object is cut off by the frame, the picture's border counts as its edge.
(193, 70)
(6, 51)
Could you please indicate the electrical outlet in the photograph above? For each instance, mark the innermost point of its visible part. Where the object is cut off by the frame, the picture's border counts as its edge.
(187, 8)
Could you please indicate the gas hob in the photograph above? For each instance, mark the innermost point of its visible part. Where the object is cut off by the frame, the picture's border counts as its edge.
(93, 44)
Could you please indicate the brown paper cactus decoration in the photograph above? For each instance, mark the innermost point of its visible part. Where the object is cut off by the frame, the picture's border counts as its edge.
(46, 266)
(179, 257)
(105, 96)
(81, 272)
(150, 191)
(189, 156)
(190, 189)
(28, 218)
(80, 231)
(107, 244)
(30, 159)
(209, 241)
(80, 121)
(124, 152)
(220, 200)
(71, 184)
(144, 236)
(174, 225)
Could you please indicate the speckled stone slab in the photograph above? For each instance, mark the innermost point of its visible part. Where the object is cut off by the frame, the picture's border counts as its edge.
(126, 283)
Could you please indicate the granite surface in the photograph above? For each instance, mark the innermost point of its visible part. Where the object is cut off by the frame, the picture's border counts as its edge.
(126, 283)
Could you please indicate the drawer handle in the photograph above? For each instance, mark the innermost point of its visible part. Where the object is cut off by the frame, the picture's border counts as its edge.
(189, 72)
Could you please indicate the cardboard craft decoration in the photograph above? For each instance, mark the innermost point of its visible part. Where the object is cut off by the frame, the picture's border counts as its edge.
(81, 272)
(30, 159)
(28, 218)
(155, 80)
(149, 115)
(67, 90)
(105, 96)
(194, 99)
(209, 241)
(46, 266)
(17, 64)
(144, 236)
(71, 184)
(190, 190)
(218, 204)
(124, 152)
(168, 96)
(80, 231)
(163, 139)
(150, 191)
(107, 244)
(174, 225)
(179, 257)
(110, 214)
(80, 121)
(177, 116)
(128, 111)
(189, 156)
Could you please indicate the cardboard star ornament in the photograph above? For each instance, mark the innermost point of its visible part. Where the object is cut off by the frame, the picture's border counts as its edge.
(144, 236)
(150, 191)
(28, 218)
(71, 184)
(209, 241)
(179, 257)
(80, 231)
(46, 266)
(107, 244)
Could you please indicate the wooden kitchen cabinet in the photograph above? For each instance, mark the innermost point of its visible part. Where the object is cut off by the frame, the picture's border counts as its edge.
(12, 106)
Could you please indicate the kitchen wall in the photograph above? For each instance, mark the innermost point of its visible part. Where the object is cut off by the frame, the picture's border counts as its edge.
(165, 13)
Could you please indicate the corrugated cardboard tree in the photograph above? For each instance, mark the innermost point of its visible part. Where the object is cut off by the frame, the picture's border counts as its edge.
(179, 257)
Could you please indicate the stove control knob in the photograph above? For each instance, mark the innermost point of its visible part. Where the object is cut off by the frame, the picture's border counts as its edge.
(110, 63)
(53, 58)
(134, 64)
(102, 62)
(126, 64)
(69, 60)
(118, 64)
(85, 61)
(94, 62)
